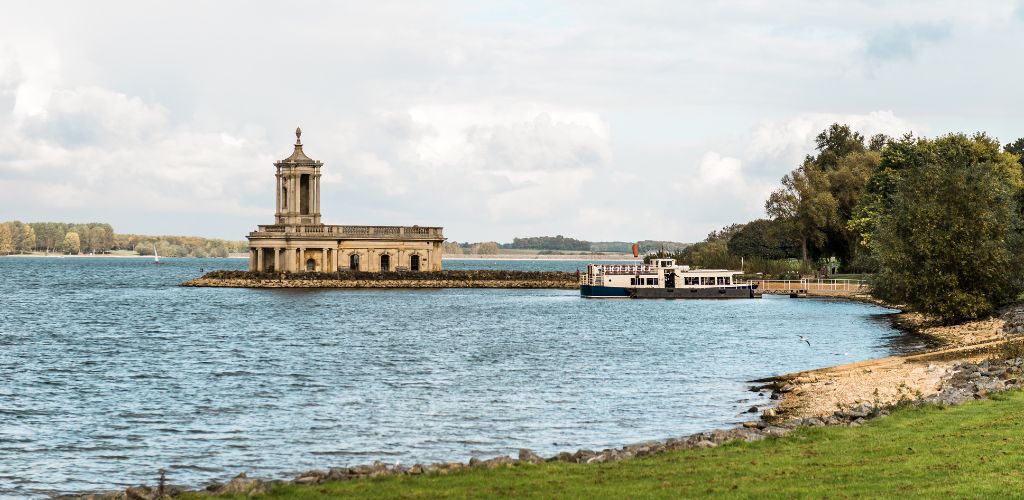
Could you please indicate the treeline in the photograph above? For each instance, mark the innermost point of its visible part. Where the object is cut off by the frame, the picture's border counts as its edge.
(940, 222)
(561, 243)
(99, 238)
(181, 246)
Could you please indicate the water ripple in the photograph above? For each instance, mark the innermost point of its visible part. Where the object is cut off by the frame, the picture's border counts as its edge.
(112, 372)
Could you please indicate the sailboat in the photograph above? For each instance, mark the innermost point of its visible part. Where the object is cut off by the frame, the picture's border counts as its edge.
(156, 256)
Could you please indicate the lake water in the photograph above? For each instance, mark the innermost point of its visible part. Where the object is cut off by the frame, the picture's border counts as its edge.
(110, 371)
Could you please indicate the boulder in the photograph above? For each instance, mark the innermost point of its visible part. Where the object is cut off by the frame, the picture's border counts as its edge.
(529, 457)
(242, 485)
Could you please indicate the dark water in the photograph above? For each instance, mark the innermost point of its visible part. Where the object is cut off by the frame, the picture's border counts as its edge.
(110, 372)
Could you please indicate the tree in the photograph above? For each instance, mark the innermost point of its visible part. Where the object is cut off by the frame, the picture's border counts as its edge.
(947, 238)
(1017, 148)
(769, 239)
(819, 197)
(486, 248)
(452, 248)
(72, 243)
(26, 239)
(6, 240)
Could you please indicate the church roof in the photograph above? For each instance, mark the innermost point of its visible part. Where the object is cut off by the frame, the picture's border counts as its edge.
(298, 156)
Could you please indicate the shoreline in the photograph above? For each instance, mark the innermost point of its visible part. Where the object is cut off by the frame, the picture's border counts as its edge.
(108, 256)
(566, 257)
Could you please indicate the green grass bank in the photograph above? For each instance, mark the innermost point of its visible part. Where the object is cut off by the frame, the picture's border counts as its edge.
(972, 450)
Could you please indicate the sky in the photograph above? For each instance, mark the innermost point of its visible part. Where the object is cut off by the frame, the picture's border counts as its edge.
(597, 120)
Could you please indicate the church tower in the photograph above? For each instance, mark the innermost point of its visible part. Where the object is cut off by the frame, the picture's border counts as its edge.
(298, 187)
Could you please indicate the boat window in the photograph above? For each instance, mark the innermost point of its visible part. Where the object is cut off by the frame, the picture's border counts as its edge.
(632, 281)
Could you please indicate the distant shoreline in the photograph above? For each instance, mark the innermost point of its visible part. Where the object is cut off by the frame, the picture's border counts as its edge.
(112, 256)
(452, 257)
(567, 257)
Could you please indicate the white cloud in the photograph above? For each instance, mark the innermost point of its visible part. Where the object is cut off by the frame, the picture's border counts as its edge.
(492, 121)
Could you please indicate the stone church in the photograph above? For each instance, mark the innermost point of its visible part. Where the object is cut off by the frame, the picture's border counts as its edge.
(298, 241)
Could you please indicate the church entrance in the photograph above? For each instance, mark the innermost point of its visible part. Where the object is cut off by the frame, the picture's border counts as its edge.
(311, 265)
(385, 263)
(414, 263)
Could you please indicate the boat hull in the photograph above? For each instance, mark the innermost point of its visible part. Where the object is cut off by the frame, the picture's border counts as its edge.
(695, 293)
(604, 292)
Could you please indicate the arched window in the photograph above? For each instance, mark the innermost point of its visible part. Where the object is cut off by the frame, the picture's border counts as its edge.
(353, 262)
(414, 263)
(385, 263)
(311, 265)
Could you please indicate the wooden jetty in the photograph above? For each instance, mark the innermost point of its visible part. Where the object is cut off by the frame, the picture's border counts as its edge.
(808, 287)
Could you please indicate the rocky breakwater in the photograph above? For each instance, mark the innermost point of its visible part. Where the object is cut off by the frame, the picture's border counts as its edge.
(400, 279)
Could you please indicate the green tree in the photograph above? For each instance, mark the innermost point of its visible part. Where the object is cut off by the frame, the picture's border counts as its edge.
(819, 197)
(72, 243)
(769, 239)
(1017, 148)
(947, 238)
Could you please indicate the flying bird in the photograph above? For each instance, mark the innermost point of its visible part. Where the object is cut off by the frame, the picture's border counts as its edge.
(804, 339)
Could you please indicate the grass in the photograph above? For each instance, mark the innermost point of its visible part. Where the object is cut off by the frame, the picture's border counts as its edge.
(973, 450)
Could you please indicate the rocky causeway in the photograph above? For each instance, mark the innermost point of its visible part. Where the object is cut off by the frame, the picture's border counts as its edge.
(397, 279)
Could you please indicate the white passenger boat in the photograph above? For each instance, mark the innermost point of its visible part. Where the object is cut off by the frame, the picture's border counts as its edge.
(663, 279)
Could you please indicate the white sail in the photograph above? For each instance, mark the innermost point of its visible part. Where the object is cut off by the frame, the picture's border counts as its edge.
(156, 256)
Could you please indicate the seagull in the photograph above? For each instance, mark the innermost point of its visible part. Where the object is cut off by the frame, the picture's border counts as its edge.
(804, 339)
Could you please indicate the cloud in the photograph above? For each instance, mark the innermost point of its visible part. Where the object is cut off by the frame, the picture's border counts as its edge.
(493, 123)
(901, 42)
(777, 143)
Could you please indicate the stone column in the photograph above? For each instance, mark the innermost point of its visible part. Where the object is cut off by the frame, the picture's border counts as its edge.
(317, 209)
(259, 259)
(302, 259)
(312, 198)
(323, 260)
(277, 207)
(277, 259)
(252, 260)
(294, 201)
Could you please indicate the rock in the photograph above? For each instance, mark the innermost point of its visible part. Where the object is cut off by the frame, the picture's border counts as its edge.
(502, 461)
(338, 474)
(565, 456)
(307, 480)
(786, 388)
(475, 462)
(704, 444)
(242, 485)
(582, 456)
(751, 424)
(813, 422)
(416, 469)
(139, 493)
(769, 413)
(753, 409)
(528, 456)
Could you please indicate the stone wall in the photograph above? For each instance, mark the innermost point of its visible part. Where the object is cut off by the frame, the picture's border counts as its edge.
(437, 279)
